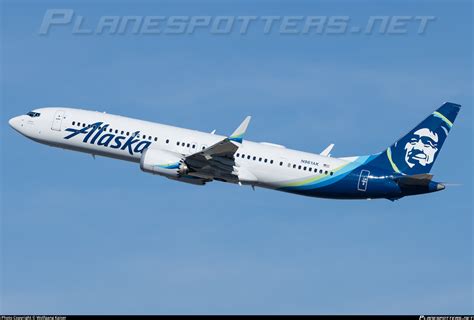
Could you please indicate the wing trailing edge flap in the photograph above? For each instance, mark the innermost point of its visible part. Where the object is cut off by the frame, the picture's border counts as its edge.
(217, 161)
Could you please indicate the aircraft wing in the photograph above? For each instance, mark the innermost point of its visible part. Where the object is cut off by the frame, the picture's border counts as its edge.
(217, 161)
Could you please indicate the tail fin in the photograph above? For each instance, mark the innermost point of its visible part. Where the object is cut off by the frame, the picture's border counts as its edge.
(416, 152)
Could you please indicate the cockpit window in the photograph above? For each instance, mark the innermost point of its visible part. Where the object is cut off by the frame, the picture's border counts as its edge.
(33, 114)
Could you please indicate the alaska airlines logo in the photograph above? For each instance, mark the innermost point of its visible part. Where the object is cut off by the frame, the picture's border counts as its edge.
(417, 152)
(100, 137)
(421, 148)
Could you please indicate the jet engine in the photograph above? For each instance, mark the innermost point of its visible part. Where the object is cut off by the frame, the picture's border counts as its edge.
(162, 162)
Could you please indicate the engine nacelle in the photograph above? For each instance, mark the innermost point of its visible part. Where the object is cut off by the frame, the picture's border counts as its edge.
(162, 162)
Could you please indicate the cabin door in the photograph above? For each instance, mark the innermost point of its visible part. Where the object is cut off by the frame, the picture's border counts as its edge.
(58, 119)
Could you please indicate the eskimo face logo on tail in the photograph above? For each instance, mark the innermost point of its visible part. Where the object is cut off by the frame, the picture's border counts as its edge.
(97, 134)
(421, 148)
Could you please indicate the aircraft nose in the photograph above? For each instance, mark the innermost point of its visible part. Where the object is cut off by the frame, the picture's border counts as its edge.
(11, 122)
(15, 122)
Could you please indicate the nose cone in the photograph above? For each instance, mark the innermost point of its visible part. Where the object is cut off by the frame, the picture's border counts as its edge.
(18, 124)
(14, 123)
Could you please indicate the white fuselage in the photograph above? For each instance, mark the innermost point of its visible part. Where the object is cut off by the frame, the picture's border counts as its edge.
(198, 157)
(272, 165)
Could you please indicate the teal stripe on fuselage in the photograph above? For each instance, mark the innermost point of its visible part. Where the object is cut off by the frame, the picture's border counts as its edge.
(338, 175)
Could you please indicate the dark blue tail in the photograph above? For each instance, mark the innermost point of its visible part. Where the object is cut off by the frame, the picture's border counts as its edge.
(417, 151)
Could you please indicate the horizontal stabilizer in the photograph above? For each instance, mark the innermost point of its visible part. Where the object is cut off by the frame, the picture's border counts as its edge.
(415, 180)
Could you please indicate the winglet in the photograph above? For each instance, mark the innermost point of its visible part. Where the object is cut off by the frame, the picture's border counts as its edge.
(238, 134)
(327, 152)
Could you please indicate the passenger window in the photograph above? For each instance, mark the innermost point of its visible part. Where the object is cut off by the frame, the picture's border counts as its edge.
(321, 171)
(281, 163)
(331, 173)
(326, 172)
(156, 139)
(304, 168)
(271, 161)
(177, 143)
(237, 155)
(116, 131)
(310, 169)
(110, 130)
(74, 123)
(294, 166)
(299, 167)
(83, 125)
(183, 144)
(188, 145)
(121, 132)
(194, 146)
(167, 140)
(265, 160)
(248, 157)
(260, 159)
(254, 158)
(127, 133)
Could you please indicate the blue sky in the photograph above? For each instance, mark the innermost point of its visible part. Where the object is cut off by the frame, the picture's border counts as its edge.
(99, 236)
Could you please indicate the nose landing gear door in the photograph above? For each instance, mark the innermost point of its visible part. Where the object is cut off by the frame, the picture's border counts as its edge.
(58, 119)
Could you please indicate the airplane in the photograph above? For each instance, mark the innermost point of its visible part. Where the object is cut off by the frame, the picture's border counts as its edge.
(190, 156)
